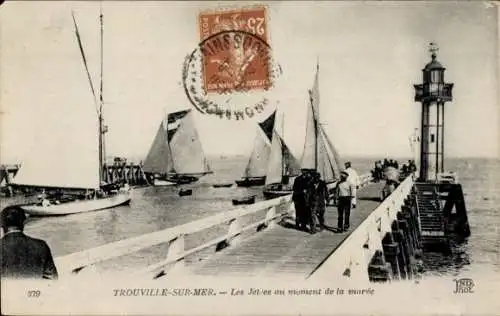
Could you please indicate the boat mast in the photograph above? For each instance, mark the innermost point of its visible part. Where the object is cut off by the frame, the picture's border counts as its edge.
(283, 160)
(98, 107)
(102, 128)
(316, 117)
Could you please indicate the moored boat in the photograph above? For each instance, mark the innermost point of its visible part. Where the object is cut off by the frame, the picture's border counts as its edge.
(222, 185)
(78, 206)
(244, 200)
(251, 181)
(51, 163)
(185, 192)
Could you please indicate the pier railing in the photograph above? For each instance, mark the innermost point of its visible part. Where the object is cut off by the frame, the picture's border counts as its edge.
(352, 258)
(273, 211)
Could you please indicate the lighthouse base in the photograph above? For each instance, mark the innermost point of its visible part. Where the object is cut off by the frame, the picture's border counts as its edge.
(442, 214)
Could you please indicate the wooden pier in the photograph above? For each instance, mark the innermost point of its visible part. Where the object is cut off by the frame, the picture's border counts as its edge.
(118, 171)
(261, 240)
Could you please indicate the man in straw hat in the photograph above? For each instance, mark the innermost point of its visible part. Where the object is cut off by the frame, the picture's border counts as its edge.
(345, 192)
(354, 179)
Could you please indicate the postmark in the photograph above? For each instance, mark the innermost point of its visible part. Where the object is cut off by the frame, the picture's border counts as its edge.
(231, 73)
(236, 88)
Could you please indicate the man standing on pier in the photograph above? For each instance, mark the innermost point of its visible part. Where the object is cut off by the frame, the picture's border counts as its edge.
(345, 192)
(300, 199)
(354, 179)
(21, 255)
(318, 196)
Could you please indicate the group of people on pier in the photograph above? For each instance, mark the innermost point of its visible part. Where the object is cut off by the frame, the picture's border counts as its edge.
(380, 167)
(311, 195)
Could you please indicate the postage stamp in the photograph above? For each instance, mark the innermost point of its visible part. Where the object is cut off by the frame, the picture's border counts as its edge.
(231, 73)
(234, 63)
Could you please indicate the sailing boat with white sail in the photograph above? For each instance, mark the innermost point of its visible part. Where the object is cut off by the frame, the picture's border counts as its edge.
(71, 190)
(176, 155)
(319, 153)
(281, 168)
(255, 171)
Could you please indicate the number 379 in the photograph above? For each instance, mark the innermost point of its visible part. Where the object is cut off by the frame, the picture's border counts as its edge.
(34, 293)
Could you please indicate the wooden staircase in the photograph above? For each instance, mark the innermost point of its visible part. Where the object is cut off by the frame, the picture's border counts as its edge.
(431, 218)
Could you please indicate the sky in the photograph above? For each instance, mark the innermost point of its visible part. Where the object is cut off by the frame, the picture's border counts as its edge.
(370, 55)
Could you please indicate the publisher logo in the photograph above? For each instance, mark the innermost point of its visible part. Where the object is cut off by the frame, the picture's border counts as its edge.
(463, 286)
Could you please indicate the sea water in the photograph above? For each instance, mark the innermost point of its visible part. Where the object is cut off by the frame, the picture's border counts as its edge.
(156, 208)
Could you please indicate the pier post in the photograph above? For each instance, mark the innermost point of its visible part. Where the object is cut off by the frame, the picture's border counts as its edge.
(175, 249)
(391, 252)
(270, 222)
(402, 257)
(378, 269)
(233, 235)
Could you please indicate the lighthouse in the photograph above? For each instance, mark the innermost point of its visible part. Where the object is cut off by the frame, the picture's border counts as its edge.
(432, 94)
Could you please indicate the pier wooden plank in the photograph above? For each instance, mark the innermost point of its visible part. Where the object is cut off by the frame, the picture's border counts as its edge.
(285, 250)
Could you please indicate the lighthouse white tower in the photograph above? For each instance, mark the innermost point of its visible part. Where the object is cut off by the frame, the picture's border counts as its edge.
(432, 94)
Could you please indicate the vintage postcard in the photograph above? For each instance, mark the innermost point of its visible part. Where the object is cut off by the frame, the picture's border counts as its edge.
(208, 158)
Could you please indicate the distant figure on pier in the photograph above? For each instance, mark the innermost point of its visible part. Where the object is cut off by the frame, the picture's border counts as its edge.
(345, 192)
(377, 171)
(318, 196)
(299, 197)
(354, 179)
(23, 256)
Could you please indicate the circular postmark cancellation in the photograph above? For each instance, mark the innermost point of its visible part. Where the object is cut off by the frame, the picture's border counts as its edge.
(231, 75)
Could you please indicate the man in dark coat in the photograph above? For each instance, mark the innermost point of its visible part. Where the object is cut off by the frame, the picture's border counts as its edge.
(21, 255)
(319, 194)
(300, 199)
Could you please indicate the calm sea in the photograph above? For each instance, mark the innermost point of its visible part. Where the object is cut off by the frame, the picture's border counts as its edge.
(157, 208)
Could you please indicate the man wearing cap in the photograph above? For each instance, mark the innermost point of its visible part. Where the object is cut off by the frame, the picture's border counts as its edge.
(345, 191)
(318, 196)
(21, 255)
(299, 197)
(354, 179)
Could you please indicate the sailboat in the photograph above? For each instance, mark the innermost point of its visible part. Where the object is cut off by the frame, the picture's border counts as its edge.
(74, 186)
(319, 153)
(176, 155)
(281, 168)
(255, 171)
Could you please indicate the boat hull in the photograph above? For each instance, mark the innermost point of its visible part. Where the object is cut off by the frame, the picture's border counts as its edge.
(185, 192)
(248, 200)
(181, 179)
(162, 183)
(249, 182)
(271, 194)
(224, 185)
(275, 190)
(79, 206)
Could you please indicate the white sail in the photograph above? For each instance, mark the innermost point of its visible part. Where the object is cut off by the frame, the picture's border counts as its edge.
(66, 152)
(159, 158)
(319, 153)
(333, 153)
(327, 166)
(275, 166)
(186, 149)
(308, 160)
(258, 162)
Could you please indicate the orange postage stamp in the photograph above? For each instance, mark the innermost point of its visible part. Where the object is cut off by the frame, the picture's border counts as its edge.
(233, 61)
